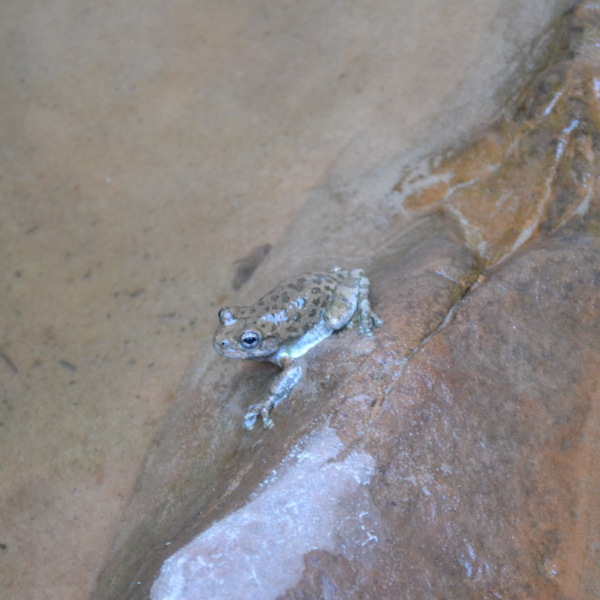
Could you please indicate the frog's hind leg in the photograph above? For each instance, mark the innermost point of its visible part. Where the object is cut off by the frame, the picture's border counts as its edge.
(343, 304)
(364, 316)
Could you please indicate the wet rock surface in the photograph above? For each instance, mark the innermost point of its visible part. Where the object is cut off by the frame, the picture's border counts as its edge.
(537, 166)
(452, 455)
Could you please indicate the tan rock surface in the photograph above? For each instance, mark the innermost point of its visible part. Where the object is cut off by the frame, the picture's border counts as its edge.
(150, 147)
(450, 455)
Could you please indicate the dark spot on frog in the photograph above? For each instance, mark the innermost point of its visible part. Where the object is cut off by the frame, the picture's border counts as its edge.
(292, 329)
(246, 266)
(274, 298)
(324, 302)
(313, 312)
(315, 290)
(317, 301)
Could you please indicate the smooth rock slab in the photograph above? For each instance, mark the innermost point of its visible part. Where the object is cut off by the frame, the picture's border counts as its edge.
(474, 477)
(321, 499)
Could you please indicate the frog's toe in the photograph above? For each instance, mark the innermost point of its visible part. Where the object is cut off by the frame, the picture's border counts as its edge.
(249, 421)
(367, 322)
(268, 423)
(251, 417)
(265, 409)
(365, 331)
(253, 413)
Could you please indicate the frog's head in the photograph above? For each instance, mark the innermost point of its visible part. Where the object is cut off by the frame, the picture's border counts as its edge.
(239, 336)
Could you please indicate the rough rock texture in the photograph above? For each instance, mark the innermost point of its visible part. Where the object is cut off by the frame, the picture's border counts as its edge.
(537, 166)
(474, 478)
(486, 481)
(452, 455)
(466, 472)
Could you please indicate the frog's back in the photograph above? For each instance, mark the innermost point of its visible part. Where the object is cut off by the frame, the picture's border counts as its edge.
(296, 304)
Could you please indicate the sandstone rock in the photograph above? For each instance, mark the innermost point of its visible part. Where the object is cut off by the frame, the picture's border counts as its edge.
(465, 472)
(449, 456)
(474, 477)
(537, 166)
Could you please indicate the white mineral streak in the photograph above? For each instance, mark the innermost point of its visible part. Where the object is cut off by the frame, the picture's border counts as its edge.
(258, 551)
(543, 203)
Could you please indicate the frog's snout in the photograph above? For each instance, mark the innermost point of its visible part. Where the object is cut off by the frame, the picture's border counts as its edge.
(221, 346)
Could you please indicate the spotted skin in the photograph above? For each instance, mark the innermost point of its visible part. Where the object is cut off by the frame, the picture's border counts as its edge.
(290, 320)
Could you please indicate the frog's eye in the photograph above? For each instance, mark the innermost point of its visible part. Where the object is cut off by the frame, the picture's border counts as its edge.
(250, 339)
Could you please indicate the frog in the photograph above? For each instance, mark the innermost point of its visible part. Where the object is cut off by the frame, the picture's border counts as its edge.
(294, 317)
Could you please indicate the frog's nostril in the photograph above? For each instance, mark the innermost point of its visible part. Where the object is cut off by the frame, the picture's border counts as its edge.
(224, 343)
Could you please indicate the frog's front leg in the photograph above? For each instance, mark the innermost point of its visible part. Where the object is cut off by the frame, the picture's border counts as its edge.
(280, 389)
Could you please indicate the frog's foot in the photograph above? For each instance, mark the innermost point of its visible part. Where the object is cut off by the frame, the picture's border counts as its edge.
(263, 409)
(367, 320)
(364, 316)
